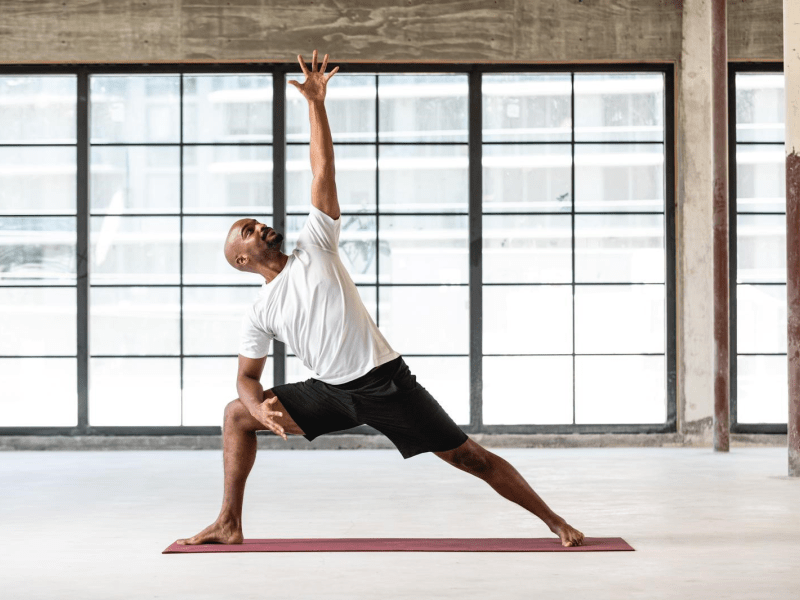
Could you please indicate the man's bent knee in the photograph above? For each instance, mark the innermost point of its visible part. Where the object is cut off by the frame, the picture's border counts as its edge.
(236, 412)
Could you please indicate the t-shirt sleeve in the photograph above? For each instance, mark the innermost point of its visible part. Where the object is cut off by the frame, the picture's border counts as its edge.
(320, 230)
(254, 341)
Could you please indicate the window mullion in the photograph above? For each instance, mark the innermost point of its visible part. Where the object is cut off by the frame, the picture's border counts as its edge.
(82, 247)
(476, 249)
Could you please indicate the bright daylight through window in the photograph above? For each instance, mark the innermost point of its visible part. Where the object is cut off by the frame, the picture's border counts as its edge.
(573, 228)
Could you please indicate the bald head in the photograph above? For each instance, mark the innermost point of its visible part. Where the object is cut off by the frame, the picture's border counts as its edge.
(233, 244)
(251, 245)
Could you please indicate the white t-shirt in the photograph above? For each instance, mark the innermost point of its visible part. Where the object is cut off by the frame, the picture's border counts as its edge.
(314, 308)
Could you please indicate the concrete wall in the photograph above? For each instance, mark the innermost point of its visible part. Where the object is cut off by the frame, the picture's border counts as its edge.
(405, 30)
(677, 31)
(383, 30)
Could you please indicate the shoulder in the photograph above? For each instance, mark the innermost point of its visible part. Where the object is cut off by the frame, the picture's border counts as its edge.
(320, 230)
(320, 215)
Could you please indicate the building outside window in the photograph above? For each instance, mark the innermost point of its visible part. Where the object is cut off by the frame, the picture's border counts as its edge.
(574, 225)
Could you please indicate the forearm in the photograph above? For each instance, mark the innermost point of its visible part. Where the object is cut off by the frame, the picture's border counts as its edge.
(251, 393)
(321, 145)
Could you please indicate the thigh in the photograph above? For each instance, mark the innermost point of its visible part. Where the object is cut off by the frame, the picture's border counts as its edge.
(413, 420)
(316, 408)
(241, 414)
(285, 420)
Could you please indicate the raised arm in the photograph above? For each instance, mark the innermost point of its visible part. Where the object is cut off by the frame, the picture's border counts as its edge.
(323, 187)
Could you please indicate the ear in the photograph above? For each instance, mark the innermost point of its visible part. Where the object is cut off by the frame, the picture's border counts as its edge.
(241, 260)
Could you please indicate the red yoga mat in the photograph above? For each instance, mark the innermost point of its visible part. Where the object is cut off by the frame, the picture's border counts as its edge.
(407, 545)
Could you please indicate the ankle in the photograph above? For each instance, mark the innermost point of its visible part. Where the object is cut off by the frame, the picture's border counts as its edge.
(230, 521)
(555, 523)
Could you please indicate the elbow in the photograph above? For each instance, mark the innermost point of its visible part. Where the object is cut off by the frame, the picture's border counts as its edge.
(325, 170)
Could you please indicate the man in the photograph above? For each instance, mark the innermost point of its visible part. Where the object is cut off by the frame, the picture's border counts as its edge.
(309, 302)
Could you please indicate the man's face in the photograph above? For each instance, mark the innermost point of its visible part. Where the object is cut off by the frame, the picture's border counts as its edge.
(253, 240)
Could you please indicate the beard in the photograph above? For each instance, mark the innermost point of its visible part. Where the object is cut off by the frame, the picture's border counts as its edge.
(275, 244)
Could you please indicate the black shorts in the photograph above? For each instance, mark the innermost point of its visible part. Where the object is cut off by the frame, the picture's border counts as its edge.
(387, 398)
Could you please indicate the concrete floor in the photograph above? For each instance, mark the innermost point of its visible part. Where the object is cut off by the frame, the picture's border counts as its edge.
(89, 525)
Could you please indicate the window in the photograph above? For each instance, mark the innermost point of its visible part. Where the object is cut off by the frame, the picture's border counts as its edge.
(402, 175)
(541, 197)
(175, 160)
(574, 249)
(759, 379)
(38, 249)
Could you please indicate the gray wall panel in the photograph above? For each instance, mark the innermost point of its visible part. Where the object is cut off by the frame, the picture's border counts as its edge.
(385, 30)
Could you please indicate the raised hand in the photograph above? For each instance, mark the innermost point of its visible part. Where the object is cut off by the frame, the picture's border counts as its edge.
(313, 88)
(264, 415)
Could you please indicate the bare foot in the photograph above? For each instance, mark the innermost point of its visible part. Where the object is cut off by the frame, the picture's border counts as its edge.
(568, 534)
(219, 532)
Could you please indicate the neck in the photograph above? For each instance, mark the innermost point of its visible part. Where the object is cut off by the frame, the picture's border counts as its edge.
(270, 269)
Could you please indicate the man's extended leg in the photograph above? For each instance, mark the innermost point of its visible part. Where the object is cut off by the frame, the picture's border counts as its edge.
(239, 454)
(507, 481)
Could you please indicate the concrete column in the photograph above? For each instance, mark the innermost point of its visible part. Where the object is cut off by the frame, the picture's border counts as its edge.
(722, 330)
(694, 225)
(791, 69)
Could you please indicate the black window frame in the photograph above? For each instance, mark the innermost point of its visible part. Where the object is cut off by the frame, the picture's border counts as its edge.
(733, 69)
(475, 215)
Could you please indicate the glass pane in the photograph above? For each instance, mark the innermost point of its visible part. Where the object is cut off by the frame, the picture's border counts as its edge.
(619, 178)
(134, 391)
(761, 318)
(356, 244)
(619, 106)
(527, 319)
(37, 180)
(38, 321)
(527, 178)
(135, 108)
(57, 408)
(355, 178)
(508, 399)
(760, 178)
(760, 107)
(203, 257)
(212, 316)
(424, 178)
(227, 108)
(762, 390)
(761, 248)
(430, 249)
(423, 108)
(220, 179)
(209, 384)
(135, 179)
(619, 248)
(426, 320)
(621, 319)
(526, 107)
(527, 249)
(447, 379)
(349, 102)
(136, 250)
(38, 110)
(37, 250)
(136, 320)
(369, 296)
(620, 390)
